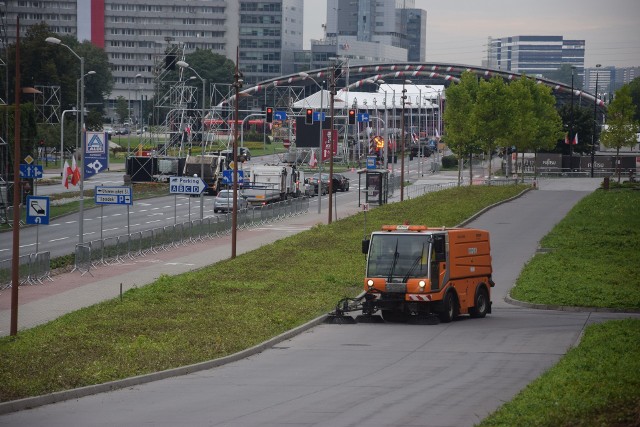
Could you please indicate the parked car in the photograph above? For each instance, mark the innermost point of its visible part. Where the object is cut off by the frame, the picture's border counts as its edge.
(340, 182)
(224, 201)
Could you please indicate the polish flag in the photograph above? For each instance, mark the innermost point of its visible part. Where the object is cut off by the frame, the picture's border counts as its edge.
(566, 138)
(75, 172)
(437, 135)
(312, 161)
(66, 173)
(575, 139)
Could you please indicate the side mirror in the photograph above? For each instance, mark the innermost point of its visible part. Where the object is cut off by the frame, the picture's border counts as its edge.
(365, 246)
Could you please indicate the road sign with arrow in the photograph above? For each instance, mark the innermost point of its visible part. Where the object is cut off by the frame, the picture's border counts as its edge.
(38, 210)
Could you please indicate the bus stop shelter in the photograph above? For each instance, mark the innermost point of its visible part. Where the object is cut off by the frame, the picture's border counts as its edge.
(375, 188)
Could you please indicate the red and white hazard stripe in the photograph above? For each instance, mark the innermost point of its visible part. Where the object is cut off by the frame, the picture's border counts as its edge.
(418, 297)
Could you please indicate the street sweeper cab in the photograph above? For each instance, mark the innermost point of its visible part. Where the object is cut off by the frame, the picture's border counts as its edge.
(418, 272)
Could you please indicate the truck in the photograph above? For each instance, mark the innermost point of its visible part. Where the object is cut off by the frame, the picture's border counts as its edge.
(273, 183)
(209, 167)
(414, 271)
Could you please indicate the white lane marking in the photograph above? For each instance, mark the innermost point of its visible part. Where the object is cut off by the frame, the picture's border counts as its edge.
(57, 240)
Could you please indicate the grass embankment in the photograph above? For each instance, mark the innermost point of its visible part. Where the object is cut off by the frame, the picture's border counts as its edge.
(595, 262)
(217, 310)
(594, 258)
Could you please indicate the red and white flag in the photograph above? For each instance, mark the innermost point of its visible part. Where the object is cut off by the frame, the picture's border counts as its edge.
(75, 172)
(66, 173)
(566, 138)
(575, 139)
(312, 161)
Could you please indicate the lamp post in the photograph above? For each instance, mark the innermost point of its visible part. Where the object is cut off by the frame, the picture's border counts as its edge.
(183, 64)
(595, 120)
(237, 84)
(571, 136)
(307, 76)
(88, 73)
(57, 41)
(404, 97)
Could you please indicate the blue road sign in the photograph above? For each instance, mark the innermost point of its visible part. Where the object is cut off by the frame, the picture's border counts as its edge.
(186, 185)
(280, 115)
(96, 153)
(38, 210)
(371, 162)
(113, 195)
(30, 171)
(363, 117)
(319, 116)
(227, 177)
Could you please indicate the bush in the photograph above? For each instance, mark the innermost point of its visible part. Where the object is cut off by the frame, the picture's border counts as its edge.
(449, 162)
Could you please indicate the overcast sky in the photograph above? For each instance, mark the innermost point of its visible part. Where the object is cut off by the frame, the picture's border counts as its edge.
(457, 32)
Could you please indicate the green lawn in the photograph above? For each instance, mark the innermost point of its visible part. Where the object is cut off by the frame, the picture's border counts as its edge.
(218, 310)
(594, 262)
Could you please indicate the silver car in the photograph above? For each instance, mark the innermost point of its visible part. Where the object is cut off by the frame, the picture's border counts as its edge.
(224, 201)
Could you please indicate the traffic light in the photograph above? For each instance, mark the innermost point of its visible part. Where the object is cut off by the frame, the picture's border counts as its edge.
(269, 114)
(352, 117)
(309, 117)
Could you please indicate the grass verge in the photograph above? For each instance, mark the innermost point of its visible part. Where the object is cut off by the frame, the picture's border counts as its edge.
(218, 310)
(594, 258)
(594, 262)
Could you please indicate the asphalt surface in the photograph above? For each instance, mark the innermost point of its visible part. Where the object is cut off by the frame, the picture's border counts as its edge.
(336, 375)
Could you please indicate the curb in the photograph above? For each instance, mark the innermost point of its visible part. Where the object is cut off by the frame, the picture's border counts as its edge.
(60, 396)
(568, 308)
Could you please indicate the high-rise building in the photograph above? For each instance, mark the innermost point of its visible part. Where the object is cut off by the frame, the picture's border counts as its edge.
(135, 34)
(366, 31)
(535, 55)
(270, 33)
(603, 76)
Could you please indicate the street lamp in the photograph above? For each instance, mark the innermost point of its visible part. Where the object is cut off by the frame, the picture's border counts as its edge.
(571, 136)
(307, 76)
(88, 73)
(237, 84)
(54, 40)
(183, 64)
(404, 97)
(595, 120)
(385, 157)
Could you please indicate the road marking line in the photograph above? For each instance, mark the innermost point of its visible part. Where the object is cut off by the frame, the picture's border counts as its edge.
(57, 240)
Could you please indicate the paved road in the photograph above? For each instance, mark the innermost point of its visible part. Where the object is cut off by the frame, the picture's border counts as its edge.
(378, 375)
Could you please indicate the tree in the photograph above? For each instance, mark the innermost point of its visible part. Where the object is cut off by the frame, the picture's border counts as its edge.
(634, 87)
(461, 131)
(122, 109)
(621, 127)
(582, 126)
(491, 115)
(46, 64)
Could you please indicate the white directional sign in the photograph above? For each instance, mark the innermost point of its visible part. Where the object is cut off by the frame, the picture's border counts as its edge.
(113, 195)
(186, 185)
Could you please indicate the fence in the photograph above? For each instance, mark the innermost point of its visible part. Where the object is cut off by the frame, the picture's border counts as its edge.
(33, 269)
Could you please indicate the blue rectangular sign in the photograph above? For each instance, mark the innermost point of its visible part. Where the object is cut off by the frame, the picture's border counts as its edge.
(280, 115)
(319, 116)
(227, 177)
(96, 153)
(363, 117)
(113, 195)
(38, 210)
(371, 162)
(30, 171)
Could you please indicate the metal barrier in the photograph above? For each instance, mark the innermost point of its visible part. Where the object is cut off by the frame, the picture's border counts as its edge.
(41, 267)
(83, 258)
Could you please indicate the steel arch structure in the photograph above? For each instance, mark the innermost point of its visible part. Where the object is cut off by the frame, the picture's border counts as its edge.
(430, 71)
